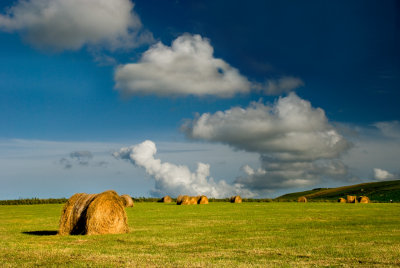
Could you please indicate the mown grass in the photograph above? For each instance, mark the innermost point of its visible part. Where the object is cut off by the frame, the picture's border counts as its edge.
(214, 235)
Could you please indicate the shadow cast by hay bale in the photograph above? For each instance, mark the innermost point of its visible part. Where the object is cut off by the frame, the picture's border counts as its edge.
(41, 233)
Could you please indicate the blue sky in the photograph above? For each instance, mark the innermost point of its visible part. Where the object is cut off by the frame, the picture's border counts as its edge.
(272, 96)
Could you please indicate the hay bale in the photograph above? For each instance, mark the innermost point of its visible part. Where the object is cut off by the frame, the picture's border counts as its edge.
(193, 200)
(94, 214)
(179, 199)
(351, 199)
(184, 200)
(166, 199)
(342, 200)
(127, 200)
(203, 200)
(302, 199)
(72, 211)
(236, 199)
(363, 199)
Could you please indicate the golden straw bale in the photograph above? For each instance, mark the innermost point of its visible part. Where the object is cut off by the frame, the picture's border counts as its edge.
(184, 200)
(236, 199)
(203, 200)
(70, 221)
(179, 199)
(193, 200)
(364, 199)
(351, 199)
(106, 215)
(127, 200)
(94, 214)
(302, 199)
(342, 200)
(166, 199)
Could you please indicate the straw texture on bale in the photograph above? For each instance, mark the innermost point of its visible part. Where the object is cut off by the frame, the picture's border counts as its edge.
(342, 200)
(203, 200)
(193, 200)
(127, 200)
(351, 199)
(94, 214)
(236, 199)
(166, 199)
(363, 199)
(302, 199)
(183, 200)
(179, 199)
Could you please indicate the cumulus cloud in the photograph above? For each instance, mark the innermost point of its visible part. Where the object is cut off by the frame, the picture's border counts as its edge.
(177, 179)
(71, 24)
(187, 67)
(285, 84)
(382, 175)
(296, 143)
(290, 129)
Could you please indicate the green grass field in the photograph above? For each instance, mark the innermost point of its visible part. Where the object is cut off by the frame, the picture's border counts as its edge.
(218, 234)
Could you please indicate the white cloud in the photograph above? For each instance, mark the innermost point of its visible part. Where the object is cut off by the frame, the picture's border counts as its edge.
(282, 85)
(296, 143)
(381, 175)
(177, 179)
(290, 129)
(390, 129)
(186, 68)
(71, 24)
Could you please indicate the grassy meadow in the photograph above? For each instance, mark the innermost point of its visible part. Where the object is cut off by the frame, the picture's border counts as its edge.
(219, 234)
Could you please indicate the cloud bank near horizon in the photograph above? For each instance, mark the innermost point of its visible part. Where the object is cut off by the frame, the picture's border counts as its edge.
(296, 143)
(69, 25)
(172, 179)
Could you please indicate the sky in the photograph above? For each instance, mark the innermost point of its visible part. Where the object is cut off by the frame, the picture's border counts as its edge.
(177, 97)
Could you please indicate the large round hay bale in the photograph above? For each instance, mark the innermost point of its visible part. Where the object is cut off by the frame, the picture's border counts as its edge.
(71, 216)
(302, 199)
(363, 199)
(127, 200)
(342, 200)
(166, 199)
(236, 199)
(203, 200)
(106, 215)
(94, 214)
(351, 199)
(184, 200)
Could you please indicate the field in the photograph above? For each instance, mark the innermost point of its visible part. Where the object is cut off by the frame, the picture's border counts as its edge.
(219, 234)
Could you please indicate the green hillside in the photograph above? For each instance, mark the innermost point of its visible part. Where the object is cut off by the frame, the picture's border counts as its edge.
(376, 191)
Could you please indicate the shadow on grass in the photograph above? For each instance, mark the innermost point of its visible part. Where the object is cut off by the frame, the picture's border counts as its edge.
(41, 233)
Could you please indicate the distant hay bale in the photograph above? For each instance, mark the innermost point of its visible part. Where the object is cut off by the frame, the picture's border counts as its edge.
(127, 200)
(236, 199)
(179, 199)
(166, 199)
(302, 199)
(351, 199)
(342, 200)
(193, 200)
(363, 199)
(183, 200)
(94, 214)
(203, 200)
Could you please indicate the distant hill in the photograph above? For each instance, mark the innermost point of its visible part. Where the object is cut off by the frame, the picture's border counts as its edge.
(377, 192)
